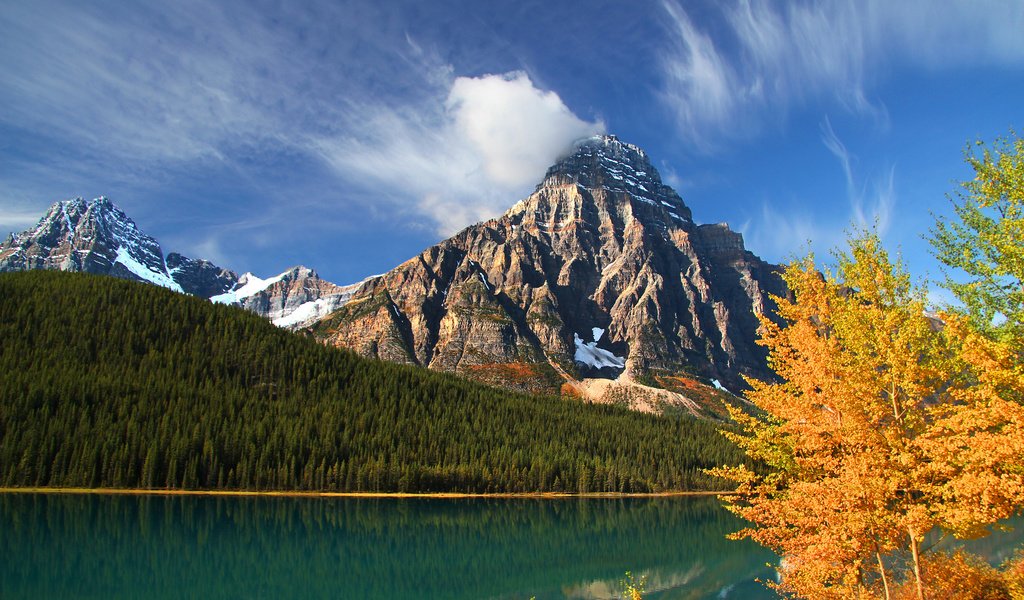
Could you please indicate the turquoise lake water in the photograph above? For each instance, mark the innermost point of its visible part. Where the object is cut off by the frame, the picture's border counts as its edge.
(71, 546)
(61, 546)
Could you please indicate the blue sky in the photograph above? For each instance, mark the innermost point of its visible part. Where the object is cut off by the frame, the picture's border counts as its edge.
(348, 136)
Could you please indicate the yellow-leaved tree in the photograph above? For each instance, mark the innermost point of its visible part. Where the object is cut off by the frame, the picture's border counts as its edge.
(886, 423)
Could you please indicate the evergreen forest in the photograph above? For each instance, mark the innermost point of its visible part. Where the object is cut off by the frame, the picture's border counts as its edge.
(112, 383)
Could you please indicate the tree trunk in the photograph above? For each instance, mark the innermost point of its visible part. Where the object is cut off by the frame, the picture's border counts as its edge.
(885, 581)
(917, 564)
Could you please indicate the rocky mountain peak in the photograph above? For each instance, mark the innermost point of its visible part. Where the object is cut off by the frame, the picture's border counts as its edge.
(599, 274)
(599, 156)
(607, 167)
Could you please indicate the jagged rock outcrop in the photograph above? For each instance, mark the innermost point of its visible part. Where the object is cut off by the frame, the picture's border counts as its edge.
(98, 237)
(601, 272)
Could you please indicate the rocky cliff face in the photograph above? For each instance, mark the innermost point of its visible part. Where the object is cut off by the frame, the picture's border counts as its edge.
(97, 237)
(600, 273)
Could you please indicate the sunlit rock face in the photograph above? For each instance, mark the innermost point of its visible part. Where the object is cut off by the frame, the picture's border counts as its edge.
(600, 273)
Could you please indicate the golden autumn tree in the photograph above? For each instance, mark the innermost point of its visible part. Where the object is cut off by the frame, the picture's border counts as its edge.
(884, 425)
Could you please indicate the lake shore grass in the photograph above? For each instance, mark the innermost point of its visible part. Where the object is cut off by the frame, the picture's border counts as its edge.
(307, 494)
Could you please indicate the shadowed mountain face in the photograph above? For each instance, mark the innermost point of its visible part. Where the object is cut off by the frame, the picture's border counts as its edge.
(600, 273)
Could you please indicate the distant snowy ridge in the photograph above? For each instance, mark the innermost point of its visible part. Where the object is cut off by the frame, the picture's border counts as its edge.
(312, 311)
(98, 237)
(291, 299)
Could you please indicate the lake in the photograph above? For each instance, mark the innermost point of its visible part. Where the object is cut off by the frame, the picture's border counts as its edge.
(94, 546)
(83, 546)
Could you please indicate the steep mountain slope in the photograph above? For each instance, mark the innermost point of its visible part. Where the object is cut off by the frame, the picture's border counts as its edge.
(600, 273)
(98, 237)
(178, 392)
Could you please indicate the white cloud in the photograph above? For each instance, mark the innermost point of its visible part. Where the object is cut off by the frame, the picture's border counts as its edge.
(517, 129)
(145, 89)
(771, 56)
(464, 157)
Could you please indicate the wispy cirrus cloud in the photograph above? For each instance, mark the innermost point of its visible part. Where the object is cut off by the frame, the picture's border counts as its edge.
(784, 235)
(768, 56)
(784, 232)
(872, 200)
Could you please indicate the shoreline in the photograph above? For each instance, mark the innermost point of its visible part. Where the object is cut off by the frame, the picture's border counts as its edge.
(304, 494)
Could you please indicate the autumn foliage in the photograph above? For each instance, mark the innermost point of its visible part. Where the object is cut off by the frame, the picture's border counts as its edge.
(886, 424)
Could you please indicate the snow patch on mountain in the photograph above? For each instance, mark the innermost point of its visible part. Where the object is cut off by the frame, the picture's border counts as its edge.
(588, 353)
(145, 273)
(313, 310)
(718, 386)
(248, 285)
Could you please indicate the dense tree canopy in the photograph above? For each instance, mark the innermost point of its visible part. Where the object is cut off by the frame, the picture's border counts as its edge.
(109, 383)
(886, 424)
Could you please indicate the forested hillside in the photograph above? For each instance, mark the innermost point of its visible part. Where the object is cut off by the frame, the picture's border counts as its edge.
(110, 383)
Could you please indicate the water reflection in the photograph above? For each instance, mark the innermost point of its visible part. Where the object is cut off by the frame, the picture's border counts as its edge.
(121, 546)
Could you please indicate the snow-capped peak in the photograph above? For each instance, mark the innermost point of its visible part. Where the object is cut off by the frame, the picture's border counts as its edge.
(98, 237)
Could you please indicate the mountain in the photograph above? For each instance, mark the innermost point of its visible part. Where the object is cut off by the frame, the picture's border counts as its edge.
(599, 284)
(177, 392)
(98, 237)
